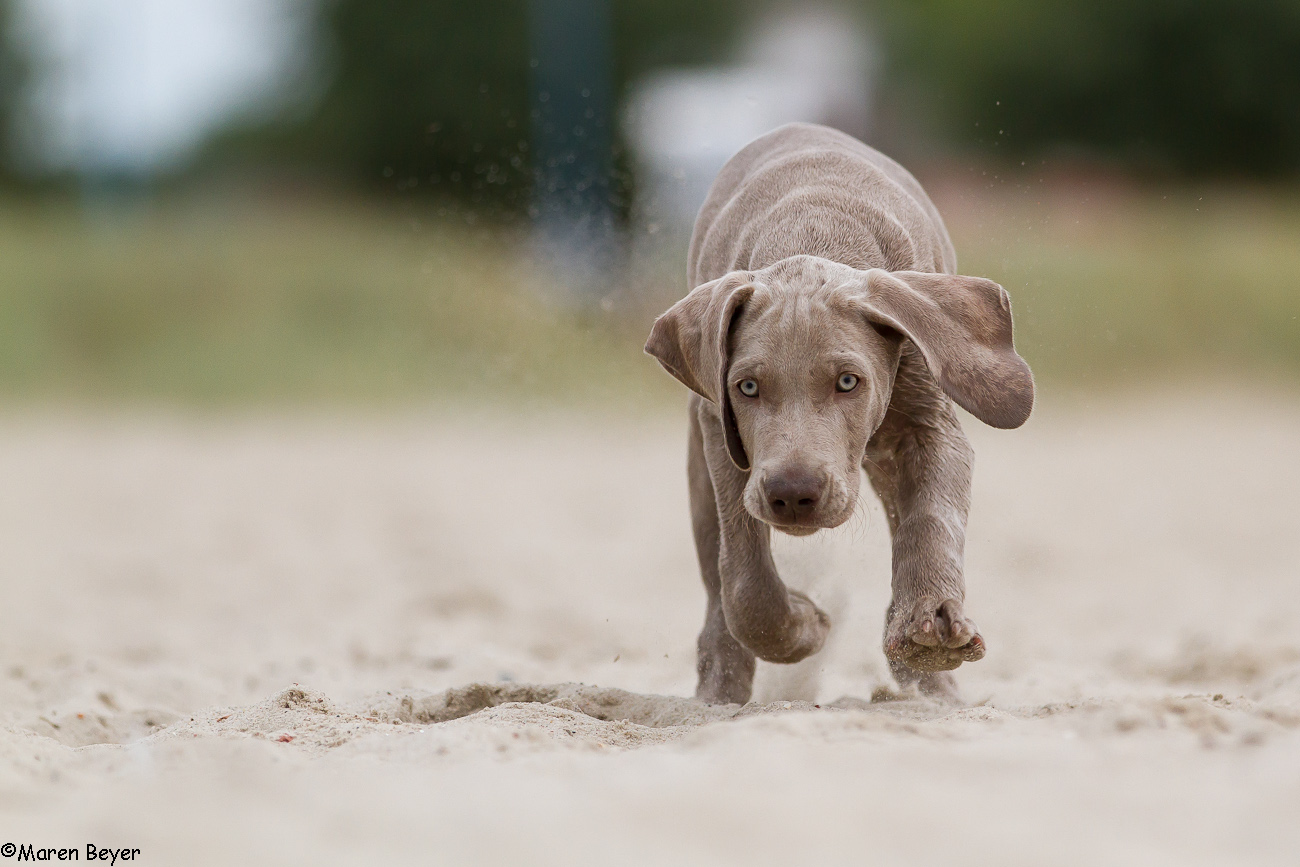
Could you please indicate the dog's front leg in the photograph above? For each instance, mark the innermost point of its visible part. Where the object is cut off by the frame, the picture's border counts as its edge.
(725, 666)
(919, 463)
(764, 617)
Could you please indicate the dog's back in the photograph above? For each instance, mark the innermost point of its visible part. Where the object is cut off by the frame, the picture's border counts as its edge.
(809, 189)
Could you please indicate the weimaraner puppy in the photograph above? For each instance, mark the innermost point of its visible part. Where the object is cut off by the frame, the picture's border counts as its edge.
(828, 331)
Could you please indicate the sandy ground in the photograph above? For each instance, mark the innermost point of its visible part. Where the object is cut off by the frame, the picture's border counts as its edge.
(228, 641)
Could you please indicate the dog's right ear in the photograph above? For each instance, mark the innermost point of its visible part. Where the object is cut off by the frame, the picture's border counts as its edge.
(691, 341)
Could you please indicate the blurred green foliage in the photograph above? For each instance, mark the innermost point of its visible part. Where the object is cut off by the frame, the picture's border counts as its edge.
(211, 299)
(434, 94)
(1200, 87)
(341, 302)
(15, 71)
(1196, 284)
(204, 303)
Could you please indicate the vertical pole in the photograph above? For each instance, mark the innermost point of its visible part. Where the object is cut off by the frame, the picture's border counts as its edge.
(572, 119)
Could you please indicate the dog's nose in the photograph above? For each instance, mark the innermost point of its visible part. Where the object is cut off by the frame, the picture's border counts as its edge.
(793, 494)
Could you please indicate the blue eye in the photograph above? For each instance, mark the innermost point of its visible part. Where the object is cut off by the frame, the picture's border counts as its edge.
(748, 387)
(846, 382)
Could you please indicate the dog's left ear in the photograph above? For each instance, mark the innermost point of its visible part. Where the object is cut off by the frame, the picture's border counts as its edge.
(691, 341)
(962, 325)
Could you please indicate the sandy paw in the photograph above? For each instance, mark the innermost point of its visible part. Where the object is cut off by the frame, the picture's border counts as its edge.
(814, 624)
(933, 635)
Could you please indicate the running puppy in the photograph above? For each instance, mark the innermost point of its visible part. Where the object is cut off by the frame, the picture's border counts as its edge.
(828, 331)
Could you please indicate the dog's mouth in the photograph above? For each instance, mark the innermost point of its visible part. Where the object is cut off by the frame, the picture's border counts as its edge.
(795, 529)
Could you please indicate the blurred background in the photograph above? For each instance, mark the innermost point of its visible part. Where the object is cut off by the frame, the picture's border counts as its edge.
(321, 389)
(376, 201)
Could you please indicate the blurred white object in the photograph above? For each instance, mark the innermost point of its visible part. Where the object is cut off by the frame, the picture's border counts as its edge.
(132, 86)
(805, 65)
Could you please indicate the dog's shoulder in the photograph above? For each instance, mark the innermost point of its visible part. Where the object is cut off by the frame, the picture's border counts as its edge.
(808, 189)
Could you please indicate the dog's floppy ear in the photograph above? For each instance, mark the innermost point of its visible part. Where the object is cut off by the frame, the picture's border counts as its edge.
(691, 341)
(962, 325)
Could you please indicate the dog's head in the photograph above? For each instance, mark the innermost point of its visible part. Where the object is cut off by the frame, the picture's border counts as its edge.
(800, 358)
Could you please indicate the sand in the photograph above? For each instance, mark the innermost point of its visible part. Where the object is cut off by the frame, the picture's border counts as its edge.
(445, 637)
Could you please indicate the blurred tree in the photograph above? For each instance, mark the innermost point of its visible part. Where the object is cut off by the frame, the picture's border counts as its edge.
(14, 66)
(434, 94)
(1196, 86)
(422, 92)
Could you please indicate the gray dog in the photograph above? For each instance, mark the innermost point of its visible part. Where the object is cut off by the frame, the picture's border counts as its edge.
(828, 331)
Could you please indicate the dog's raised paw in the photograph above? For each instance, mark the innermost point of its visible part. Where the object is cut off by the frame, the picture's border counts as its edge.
(814, 624)
(932, 635)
